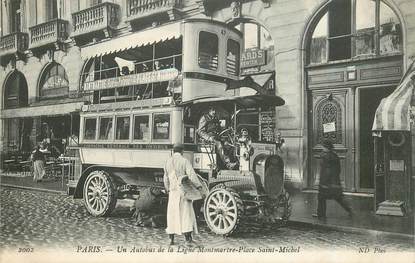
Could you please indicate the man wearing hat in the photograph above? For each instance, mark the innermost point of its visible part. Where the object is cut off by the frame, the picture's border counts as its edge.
(330, 185)
(209, 128)
(181, 217)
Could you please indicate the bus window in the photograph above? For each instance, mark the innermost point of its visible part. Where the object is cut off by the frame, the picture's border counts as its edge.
(232, 57)
(123, 128)
(90, 129)
(250, 121)
(142, 128)
(161, 126)
(105, 129)
(208, 50)
(189, 134)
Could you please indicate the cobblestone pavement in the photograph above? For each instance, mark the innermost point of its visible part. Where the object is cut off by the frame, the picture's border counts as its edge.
(39, 219)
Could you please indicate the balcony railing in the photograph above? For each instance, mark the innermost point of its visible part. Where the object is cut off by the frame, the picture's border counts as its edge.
(100, 17)
(137, 9)
(48, 33)
(14, 43)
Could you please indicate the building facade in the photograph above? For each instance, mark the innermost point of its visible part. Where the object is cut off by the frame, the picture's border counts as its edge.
(332, 61)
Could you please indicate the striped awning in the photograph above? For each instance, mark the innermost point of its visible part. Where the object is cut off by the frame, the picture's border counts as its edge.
(396, 112)
(142, 38)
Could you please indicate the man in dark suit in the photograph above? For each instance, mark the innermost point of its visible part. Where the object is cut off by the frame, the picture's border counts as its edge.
(330, 185)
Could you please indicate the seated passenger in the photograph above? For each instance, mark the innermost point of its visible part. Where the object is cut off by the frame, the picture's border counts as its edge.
(209, 129)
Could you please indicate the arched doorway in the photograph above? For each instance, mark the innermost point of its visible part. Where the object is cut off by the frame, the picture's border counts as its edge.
(353, 60)
(17, 130)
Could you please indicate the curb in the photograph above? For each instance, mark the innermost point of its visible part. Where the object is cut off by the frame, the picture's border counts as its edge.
(354, 230)
(32, 188)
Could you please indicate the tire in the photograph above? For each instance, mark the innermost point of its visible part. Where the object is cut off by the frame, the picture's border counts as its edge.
(223, 210)
(99, 193)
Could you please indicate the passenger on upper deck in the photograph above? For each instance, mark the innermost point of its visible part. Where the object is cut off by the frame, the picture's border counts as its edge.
(209, 129)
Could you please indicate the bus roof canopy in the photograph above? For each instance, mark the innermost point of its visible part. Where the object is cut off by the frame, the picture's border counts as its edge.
(258, 100)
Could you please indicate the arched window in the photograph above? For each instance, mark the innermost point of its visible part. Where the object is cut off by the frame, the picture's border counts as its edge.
(54, 82)
(15, 94)
(355, 28)
(329, 114)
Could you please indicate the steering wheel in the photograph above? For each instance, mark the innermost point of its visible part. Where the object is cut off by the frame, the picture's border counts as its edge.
(225, 132)
(227, 135)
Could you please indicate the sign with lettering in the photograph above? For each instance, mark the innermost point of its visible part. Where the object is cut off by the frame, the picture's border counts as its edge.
(128, 104)
(134, 79)
(329, 127)
(397, 165)
(267, 126)
(253, 57)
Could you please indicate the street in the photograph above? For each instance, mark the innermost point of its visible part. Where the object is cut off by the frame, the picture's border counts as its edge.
(47, 220)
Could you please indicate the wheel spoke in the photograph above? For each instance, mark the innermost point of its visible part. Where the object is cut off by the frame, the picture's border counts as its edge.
(229, 219)
(210, 214)
(210, 206)
(231, 214)
(94, 203)
(93, 182)
(90, 193)
(225, 222)
(215, 200)
(216, 219)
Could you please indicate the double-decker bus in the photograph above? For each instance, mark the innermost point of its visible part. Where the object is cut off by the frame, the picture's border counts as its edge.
(150, 94)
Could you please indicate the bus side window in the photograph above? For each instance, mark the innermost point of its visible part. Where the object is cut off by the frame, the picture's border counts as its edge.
(161, 127)
(123, 128)
(90, 128)
(142, 127)
(105, 129)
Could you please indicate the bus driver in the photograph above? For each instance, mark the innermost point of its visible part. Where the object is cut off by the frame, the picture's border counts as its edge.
(209, 129)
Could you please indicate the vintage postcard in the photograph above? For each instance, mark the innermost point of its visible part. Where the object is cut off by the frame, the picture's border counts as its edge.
(207, 130)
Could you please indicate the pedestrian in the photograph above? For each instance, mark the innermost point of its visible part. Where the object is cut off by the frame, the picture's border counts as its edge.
(38, 159)
(180, 214)
(330, 186)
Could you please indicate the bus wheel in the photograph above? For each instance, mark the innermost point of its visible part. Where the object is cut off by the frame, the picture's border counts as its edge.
(99, 193)
(223, 210)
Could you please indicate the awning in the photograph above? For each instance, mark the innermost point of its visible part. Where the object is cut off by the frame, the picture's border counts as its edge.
(395, 112)
(47, 110)
(142, 38)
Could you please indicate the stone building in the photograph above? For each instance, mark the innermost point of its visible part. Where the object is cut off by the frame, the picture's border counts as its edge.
(331, 60)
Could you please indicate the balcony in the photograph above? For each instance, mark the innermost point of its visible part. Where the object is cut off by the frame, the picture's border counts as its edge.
(49, 33)
(13, 44)
(95, 21)
(138, 9)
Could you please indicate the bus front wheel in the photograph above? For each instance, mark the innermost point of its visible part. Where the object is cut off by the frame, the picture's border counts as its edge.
(99, 193)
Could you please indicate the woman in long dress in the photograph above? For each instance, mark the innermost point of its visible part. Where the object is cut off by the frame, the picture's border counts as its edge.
(38, 160)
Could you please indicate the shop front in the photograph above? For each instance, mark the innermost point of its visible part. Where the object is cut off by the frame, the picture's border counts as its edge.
(393, 135)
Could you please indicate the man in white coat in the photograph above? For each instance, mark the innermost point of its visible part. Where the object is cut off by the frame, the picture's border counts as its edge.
(180, 214)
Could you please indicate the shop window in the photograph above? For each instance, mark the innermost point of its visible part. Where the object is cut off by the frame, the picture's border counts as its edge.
(208, 50)
(349, 30)
(142, 128)
(161, 127)
(123, 128)
(232, 57)
(90, 128)
(54, 82)
(105, 129)
(15, 94)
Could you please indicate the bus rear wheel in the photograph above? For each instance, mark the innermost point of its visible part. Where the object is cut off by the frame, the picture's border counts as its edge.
(99, 193)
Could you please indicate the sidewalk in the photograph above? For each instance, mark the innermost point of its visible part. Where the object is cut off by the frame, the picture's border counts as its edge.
(26, 182)
(303, 206)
